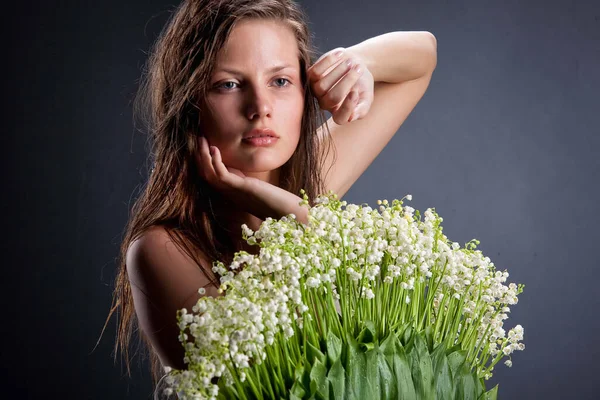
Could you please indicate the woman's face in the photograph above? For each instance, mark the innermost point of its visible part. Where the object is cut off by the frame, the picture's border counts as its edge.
(256, 84)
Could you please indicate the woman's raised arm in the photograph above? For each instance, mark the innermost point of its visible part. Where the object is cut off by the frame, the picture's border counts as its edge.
(390, 74)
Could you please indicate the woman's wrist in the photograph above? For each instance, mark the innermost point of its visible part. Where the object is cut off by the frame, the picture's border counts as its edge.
(267, 200)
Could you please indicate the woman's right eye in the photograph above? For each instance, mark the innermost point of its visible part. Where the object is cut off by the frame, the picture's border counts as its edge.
(227, 85)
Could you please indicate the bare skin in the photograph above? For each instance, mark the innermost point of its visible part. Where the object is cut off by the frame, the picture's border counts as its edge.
(370, 89)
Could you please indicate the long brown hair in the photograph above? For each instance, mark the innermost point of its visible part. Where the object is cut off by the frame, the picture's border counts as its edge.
(173, 86)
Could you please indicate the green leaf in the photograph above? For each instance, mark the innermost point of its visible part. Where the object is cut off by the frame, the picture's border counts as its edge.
(465, 383)
(452, 349)
(297, 391)
(442, 376)
(387, 383)
(373, 379)
(402, 373)
(406, 336)
(492, 394)
(318, 381)
(422, 370)
(429, 338)
(304, 376)
(366, 337)
(356, 366)
(312, 353)
(479, 386)
(337, 380)
(388, 348)
(334, 348)
(455, 360)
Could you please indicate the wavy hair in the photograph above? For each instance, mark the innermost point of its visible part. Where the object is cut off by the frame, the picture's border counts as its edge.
(173, 86)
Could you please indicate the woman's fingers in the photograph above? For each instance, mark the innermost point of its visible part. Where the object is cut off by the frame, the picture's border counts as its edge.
(342, 115)
(325, 62)
(217, 164)
(324, 84)
(206, 166)
(213, 170)
(360, 110)
(340, 91)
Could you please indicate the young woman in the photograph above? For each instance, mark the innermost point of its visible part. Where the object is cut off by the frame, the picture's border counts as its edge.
(237, 129)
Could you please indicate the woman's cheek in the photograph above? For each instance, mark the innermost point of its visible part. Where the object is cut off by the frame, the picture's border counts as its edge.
(293, 113)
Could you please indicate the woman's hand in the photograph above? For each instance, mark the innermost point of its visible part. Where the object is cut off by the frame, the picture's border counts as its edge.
(252, 195)
(342, 84)
(212, 170)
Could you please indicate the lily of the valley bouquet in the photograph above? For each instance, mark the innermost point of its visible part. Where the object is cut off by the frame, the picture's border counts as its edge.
(359, 303)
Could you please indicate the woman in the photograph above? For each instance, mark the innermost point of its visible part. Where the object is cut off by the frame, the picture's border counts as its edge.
(236, 130)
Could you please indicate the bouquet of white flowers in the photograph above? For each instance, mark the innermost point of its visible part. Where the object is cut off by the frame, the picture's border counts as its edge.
(360, 303)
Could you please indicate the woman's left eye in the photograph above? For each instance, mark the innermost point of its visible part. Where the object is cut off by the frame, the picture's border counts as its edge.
(284, 82)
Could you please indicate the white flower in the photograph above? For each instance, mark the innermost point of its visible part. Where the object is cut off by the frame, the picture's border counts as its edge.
(344, 250)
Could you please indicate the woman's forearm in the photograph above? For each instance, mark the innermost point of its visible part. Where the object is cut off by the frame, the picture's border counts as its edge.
(398, 56)
(266, 200)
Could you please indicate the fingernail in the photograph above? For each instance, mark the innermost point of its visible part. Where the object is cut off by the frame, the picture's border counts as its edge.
(338, 53)
(358, 68)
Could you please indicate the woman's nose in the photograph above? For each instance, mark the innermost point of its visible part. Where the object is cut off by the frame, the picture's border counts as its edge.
(258, 104)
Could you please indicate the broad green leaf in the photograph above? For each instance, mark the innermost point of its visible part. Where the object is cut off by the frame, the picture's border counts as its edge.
(402, 373)
(297, 391)
(465, 383)
(422, 370)
(374, 384)
(366, 337)
(442, 376)
(387, 381)
(313, 353)
(455, 360)
(337, 381)
(492, 394)
(334, 348)
(452, 349)
(479, 386)
(319, 385)
(388, 348)
(305, 376)
(356, 367)
(429, 338)
(407, 336)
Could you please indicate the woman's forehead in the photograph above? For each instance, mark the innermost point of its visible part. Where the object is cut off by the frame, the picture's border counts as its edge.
(264, 44)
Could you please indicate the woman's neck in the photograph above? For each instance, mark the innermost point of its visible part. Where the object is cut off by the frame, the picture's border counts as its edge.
(271, 177)
(232, 217)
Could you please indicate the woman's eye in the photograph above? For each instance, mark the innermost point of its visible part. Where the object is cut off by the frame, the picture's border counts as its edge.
(227, 85)
(282, 82)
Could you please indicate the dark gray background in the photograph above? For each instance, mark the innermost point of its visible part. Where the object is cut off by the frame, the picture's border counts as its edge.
(504, 144)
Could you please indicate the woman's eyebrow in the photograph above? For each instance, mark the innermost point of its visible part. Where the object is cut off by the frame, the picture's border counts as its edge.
(271, 70)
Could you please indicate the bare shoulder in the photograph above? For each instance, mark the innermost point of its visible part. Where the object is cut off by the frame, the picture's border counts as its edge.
(157, 265)
(163, 279)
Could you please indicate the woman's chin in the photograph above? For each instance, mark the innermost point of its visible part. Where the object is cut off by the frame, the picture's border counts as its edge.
(263, 163)
(261, 167)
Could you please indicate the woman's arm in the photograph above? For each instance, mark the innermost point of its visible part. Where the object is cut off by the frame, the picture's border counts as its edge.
(163, 280)
(401, 65)
(397, 56)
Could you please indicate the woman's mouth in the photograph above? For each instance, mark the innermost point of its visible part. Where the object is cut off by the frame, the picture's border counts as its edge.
(260, 137)
(260, 141)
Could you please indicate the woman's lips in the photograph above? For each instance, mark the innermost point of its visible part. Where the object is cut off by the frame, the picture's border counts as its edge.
(260, 141)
